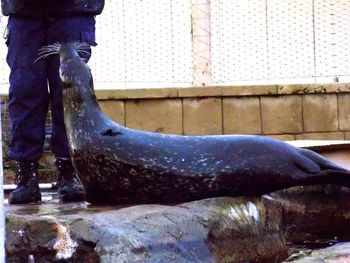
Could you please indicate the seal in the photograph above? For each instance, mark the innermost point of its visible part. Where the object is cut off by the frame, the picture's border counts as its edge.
(118, 165)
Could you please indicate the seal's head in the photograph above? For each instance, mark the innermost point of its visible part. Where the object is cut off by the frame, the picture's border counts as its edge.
(65, 50)
(73, 56)
(76, 78)
(68, 51)
(73, 69)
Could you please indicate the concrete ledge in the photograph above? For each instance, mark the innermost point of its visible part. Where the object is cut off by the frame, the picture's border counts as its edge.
(217, 91)
(222, 91)
(137, 93)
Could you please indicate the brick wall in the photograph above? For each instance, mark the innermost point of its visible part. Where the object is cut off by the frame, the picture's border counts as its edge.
(293, 112)
(288, 112)
(287, 117)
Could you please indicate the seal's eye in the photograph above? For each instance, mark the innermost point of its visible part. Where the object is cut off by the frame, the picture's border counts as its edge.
(111, 132)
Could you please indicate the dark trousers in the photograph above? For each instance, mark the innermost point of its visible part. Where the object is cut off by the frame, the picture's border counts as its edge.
(35, 86)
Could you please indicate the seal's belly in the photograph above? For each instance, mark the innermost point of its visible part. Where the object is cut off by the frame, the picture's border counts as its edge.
(159, 182)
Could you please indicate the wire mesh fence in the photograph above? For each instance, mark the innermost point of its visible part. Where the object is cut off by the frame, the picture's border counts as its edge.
(273, 41)
(143, 43)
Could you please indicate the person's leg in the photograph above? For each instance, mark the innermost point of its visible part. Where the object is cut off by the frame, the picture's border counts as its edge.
(28, 94)
(69, 29)
(28, 103)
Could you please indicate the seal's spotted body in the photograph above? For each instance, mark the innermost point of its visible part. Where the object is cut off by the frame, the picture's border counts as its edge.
(118, 165)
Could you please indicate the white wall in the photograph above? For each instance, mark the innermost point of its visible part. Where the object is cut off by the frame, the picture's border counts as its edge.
(4, 70)
(147, 43)
(280, 41)
(144, 43)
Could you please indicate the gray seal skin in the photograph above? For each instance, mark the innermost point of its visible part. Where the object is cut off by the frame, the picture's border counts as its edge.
(118, 165)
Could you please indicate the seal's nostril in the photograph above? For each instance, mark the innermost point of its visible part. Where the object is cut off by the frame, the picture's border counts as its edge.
(111, 132)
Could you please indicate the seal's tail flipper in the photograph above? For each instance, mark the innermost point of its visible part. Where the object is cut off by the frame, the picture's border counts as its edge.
(337, 177)
(323, 162)
(331, 172)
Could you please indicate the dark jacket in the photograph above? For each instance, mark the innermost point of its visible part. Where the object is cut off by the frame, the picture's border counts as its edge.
(51, 8)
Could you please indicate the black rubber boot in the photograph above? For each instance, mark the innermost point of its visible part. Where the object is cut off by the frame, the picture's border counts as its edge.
(69, 187)
(27, 190)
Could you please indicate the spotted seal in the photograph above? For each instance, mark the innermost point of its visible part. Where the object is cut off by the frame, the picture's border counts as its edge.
(118, 165)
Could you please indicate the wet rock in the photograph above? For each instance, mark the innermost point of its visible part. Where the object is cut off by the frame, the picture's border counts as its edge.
(315, 214)
(339, 253)
(211, 230)
(243, 230)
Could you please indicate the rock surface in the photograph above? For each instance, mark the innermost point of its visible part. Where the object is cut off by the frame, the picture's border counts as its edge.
(319, 213)
(210, 230)
(339, 253)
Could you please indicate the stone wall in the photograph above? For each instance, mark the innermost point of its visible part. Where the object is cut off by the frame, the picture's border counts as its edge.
(287, 112)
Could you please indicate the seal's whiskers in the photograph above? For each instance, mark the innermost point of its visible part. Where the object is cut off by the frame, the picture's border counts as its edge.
(52, 49)
(45, 55)
(82, 48)
(48, 50)
(83, 52)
